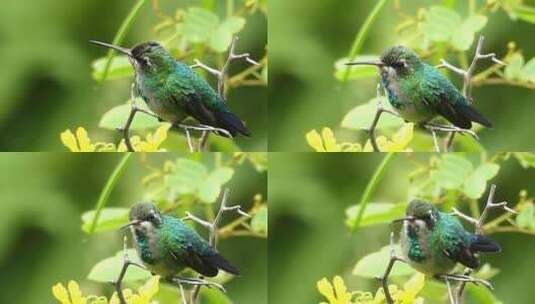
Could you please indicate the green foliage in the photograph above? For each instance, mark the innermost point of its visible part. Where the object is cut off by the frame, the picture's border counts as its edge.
(107, 270)
(373, 265)
(115, 118)
(442, 24)
(203, 26)
(109, 219)
(361, 117)
(191, 177)
(376, 213)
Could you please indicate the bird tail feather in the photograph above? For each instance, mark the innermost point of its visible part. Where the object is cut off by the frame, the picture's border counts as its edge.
(472, 114)
(484, 244)
(230, 122)
(220, 262)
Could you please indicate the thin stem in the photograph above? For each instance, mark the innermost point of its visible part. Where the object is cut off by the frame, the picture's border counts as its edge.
(363, 34)
(118, 39)
(108, 188)
(370, 189)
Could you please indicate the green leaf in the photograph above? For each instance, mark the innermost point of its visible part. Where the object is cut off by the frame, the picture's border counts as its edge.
(222, 37)
(526, 217)
(376, 213)
(199, 24)
(442, 24)
(211, 186)
(374, 264)
(192, 177)
(524, 12)
(526, 159)
(475, 185)
(452, 171)
(108, 269)
(259, 223)
(187, 176)
(119, 68)
(117, 117)
(110, 219)
(514, 66)
(259, 160)
(355, 71)
(527, 73)
(463, 37)
(214, 296)
(361, 117)
(439, 23)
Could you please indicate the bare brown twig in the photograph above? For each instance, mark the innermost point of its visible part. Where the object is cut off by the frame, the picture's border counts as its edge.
(213, 228)
(478, 224)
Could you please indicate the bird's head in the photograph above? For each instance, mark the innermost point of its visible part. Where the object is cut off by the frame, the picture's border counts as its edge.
(398, 59)
(144, 214)
(146, 56)
(421, 211)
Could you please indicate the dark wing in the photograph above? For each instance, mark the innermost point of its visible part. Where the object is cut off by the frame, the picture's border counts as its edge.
(208, 262)
(447, 101)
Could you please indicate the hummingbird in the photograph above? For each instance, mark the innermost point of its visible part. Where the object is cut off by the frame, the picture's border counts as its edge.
(433, 242)
(419, 92)
(174, 92)
(166, 245)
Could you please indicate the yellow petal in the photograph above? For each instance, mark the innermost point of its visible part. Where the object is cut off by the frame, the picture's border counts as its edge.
(114, 299)
(60, 293)
(76, 294)
(150, 289)
(415, 284)
(83, 140)
(161, 134)
(326, 289)
(314, 140)
(69, 140)
(340, 288)
(329, 141)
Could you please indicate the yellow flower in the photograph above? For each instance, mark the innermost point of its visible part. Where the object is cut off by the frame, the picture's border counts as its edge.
(411, 289)
(82, 143)
(152, 142)
(326, 142)
(71, 296)
(338, 295)
(74, 295)
(398, 143)
(77, 143)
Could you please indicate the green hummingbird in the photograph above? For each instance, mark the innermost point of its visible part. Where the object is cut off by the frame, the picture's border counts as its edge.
(166, 245)
(433, 242)
(174, 92)
(419, 92)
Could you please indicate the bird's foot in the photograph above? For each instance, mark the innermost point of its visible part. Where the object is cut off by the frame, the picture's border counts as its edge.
(197, 282)
(466, 279)
(451, 129)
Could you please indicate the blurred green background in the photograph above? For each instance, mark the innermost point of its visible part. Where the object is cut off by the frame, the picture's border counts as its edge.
(41, 241)
(309, 194)
(307, 37)
(45, 81)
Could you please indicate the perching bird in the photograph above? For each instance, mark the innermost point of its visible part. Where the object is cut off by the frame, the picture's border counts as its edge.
(419, 92)
(166, 245)
(174, 92)
(433, 242)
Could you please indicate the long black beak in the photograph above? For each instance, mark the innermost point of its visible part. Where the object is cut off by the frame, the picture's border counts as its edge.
(134, 222)
(119, 49)
(378, 63)
(408, 218)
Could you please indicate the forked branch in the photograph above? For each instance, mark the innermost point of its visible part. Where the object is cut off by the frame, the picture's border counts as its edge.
(213, 229)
